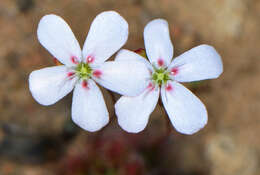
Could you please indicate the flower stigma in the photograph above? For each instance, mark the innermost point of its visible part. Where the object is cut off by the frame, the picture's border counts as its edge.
(160, 76)
(83, 71)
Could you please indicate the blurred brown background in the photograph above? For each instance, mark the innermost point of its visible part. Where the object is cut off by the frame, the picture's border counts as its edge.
(38, 140)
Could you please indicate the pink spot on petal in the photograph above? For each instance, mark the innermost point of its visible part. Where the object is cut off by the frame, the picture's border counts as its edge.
(70, 74)
(85, 84)
(160, 62)
(151, 86)
(174, 71)
(90, 59)
(97, 73)
(74, 60)
(169, 87)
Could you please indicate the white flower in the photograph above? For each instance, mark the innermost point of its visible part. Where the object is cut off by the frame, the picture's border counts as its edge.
(186, 112)
(107, 34)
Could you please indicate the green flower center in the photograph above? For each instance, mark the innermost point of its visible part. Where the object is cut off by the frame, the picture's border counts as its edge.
(83, 70)
(160, 76)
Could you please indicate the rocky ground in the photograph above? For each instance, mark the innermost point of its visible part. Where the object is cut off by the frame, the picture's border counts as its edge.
(37, 140)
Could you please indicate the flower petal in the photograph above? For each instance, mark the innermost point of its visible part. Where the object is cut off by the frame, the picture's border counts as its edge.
(133, 112)
(186, 112)
(127, 55)
(89, 110)
(49, 85)
(124, 77)
(56, 36)
(158, 43)
(107, 34)
(201, 62)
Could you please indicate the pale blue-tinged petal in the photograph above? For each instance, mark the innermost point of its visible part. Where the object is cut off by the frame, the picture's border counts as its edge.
(89, 110)
(158, 45)
(107, 34)
(56, 36)
(133, 112)
(186, 112)
(200, 63)
(49, 85)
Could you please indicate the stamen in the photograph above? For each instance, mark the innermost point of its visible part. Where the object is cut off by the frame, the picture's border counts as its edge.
(74, 60)
(83, 70)
(97, 73)
(160, 76)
